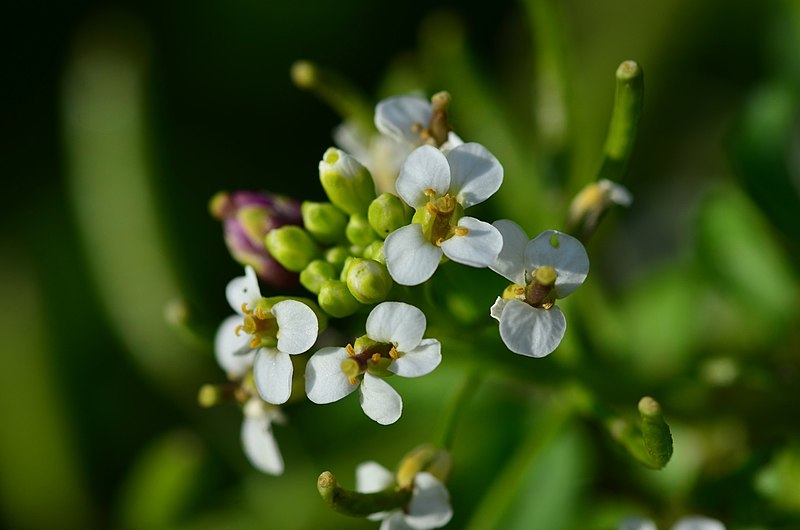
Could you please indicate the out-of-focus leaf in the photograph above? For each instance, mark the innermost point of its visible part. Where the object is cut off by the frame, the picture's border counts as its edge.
(780, 479)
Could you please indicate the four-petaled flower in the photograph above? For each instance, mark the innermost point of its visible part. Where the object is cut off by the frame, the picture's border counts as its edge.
(547, 268)
(264, 335)
(393, 344)
(440, 186)
(692, 522)
(257, 440)
(415, 121)
(428, 508)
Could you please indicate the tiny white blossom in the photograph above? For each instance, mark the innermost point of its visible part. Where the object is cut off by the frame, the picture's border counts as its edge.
(545, 269)
(428, 508)
(692, 522)
(393, 342)
(289, 327)
(257, 440)
(407, 119)
(440, 186)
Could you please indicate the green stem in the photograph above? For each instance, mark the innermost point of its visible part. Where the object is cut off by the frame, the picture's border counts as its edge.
(455, 408)
(495, 503)
(624, 121)
(356, 503)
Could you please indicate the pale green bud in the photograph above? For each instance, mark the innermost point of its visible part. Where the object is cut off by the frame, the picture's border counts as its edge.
(324, 221)
(317, 273)
(374, 251)
(292, 247)
(359, 232)
(336, 256)
(346, 268)
(336, 300)
(386, 214)
(347, 183)
(368, 281)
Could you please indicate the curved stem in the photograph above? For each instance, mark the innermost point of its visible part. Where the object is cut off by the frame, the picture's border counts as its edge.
(356, 503)
(455, 408)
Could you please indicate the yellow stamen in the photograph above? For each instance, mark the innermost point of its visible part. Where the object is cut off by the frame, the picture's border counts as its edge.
(393, 353)
(429, 192)
(260, 313)
(351, 380)
(376, 358)
(432, 208)
(238, 329)
(461, 231)
(439, 242)
(255, 343)
(244, 308)
(349, 349)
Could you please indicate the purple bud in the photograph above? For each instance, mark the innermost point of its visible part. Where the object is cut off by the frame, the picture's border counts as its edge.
(247, 217)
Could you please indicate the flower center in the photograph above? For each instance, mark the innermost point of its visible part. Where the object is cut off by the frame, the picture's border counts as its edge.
(439, 217)
(368, 355)
(540, 291)
(436, 131)
(261, 325)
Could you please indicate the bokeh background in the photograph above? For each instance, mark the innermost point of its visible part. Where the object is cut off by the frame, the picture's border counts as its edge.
(120, 120)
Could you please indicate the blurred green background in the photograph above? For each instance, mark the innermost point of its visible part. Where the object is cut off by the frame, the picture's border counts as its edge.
(121, 121)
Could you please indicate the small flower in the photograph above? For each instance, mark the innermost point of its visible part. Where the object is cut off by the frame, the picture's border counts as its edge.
(393, 345)
(381, 155)
(693, 522)
(414, 121)
(592, 202)
(247, 217)
(440, 187)
(257, 440)
(547, 268)
(265, 338)
(428, 508)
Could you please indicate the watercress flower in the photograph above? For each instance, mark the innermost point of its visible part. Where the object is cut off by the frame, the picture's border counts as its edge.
(257, 440)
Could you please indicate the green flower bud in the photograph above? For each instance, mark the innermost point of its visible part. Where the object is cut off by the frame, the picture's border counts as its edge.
(324, 221)
(386, 214)
(317, 273)
(292, 247)
(347, 183)
(368, 281)
(374, 251)
(336, 256)
(346, 268)
(359, 232)
(336, 300)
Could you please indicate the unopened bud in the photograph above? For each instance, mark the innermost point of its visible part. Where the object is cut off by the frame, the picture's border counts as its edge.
(337, 256)
(347, 183)
(315, 274)
(427, 457)
(386, 214)
(359, 232)
(292, 247)
(209, 395)
(655, 432)
(336, 300)
(368, 281)
(374, 251)
(324, 221)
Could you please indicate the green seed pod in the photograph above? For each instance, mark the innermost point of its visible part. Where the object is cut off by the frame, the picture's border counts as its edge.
(386, 214)
(368, 281)
(347, 183)
(324, 221)
(317, 273)
(359, 232)
(374, 251)
(336, 300)
(292, 247)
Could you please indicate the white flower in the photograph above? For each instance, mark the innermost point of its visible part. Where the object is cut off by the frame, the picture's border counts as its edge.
(693, 522)
(440, 186)
(257, 440)
(428, 508)
(263, 336)
(410, 121)
(393, 342)
(543, 270)
(382, 155)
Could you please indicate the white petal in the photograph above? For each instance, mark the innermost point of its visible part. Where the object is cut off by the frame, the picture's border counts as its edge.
(430, 503)
(379, 400)
(397, 116)
(325, 381)
(396, 322)
(395, 520)
(530, 330)
(510, 263)
(637, 523)
(233, 352)
(697, 522)
(425, 168)
(616, 193)
(410, 258)
(372, 477)
(243, 290)
(475, 174)
(453, 141)
(479, 248)
(272, 371)
(569, 259)
(260, 446)
(497, 308)
(420, 361)
(297, 326)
